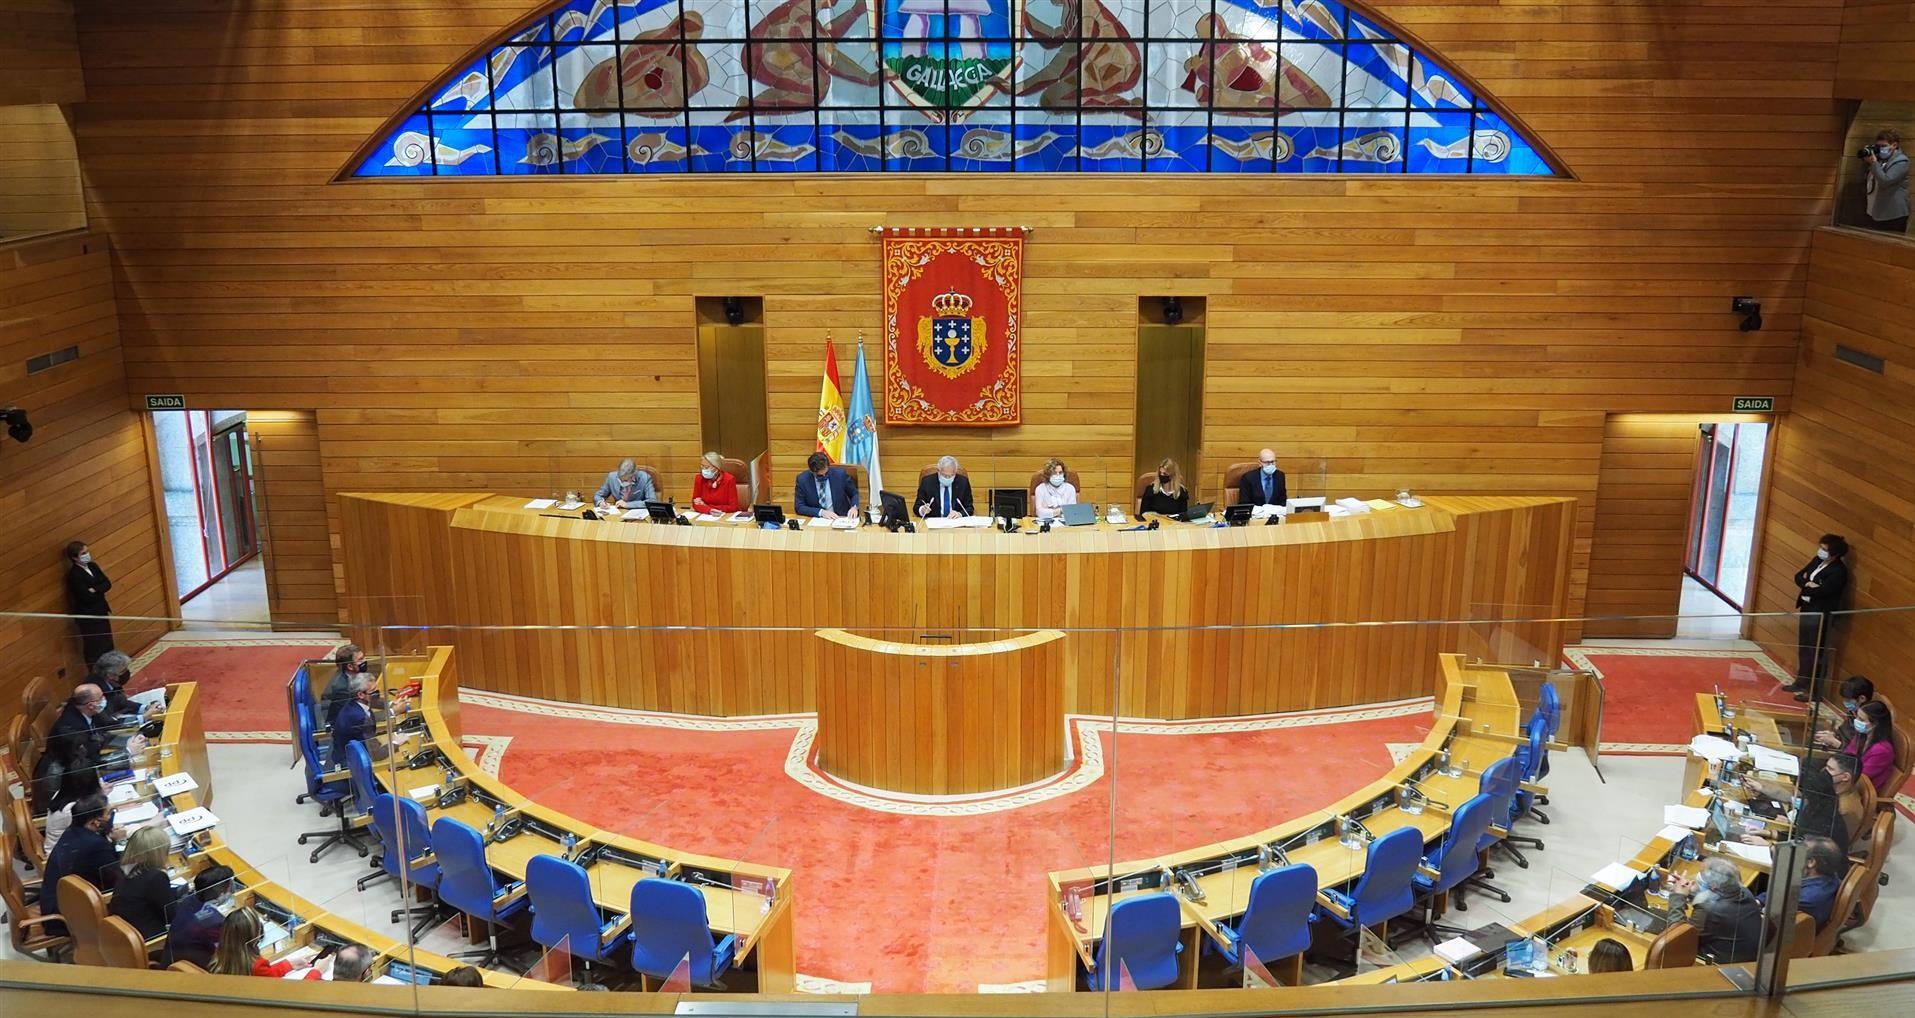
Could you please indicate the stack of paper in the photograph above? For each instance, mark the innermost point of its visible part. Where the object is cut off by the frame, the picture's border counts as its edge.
(542, 503)
(1265, 511)
(1774, 761)
(1692, 817)
(192, 821)
(1616, 876)
(817, 521)
(1674, 832)
(636, 514)
(1335, 510)
(741, 516)
(845, 523)
(1456, 949)
(1355, 505)
(711, 517)
(138, 814)
(425, 793)
(572, 506)
(1381, 504)
(1714, 748)
(1760, 854)
(173, 784)
(122, 794)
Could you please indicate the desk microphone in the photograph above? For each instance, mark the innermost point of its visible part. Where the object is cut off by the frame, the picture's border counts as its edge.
(791, 524)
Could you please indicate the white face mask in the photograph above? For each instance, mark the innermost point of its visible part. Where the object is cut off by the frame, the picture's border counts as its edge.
(86, 558)
(946, 481)
(1057, 480)
(1269, 468)
(709, 473)
(1821, 553)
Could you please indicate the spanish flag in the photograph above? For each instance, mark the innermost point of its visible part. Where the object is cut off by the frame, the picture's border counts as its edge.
(831, 409)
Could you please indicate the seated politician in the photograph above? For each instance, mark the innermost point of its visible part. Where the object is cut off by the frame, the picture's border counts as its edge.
(78, 740)
(825, 491)
(716, 490)
(85, 851)
(944, 494)
(1727, 918)
(626, 488)
(1056, 491)
(1264, 485)
(1165, 494)
(354, 721)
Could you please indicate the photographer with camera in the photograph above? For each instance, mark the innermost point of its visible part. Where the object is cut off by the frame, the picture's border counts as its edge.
(1887, 167)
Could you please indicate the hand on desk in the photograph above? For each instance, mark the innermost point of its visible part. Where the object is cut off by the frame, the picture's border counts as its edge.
(1828, 740)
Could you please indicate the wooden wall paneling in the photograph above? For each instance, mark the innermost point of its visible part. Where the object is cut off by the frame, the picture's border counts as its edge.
(1873, 59)
(1844, 460)
(1457, 336)
(39, 173)
(1642, 524)
(631, 635)
(291, 504)
(39, 53)
(84, 476)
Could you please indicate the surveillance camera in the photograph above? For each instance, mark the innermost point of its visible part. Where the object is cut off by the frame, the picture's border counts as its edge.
(18, 427)
(1745, 305)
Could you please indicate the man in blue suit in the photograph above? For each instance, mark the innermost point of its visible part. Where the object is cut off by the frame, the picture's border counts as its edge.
(825, 490)
(1264, 485)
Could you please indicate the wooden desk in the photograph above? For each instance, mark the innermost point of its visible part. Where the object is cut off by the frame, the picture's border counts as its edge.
(735, 892)
(1168, 607)
(941, 719)
(1477, 723)
(181, 748)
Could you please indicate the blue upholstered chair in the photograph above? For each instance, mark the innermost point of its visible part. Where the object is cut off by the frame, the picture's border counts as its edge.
(1142, 937)
(669, 924)
(1530, 758)
(1275, 925)
(1499, 783)
(564, 914)
(466, 883)
(1384, 891)
(405, 850)
(1454, 861)
(331, 791)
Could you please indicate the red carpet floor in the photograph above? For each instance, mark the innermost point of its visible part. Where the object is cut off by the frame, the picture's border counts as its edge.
(1650, 698)
(946, 902)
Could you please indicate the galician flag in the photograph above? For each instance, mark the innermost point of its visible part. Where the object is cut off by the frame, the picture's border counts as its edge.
(861, 443)
(831, 409)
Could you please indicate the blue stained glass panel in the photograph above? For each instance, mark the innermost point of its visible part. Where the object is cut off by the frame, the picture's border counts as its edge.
(849, 142)
(462, 145)
(1309, 19)
(982, 142)
(784, 148)
(1373, 143)
(1439, 142)
(914, 147)
(1308, 144)
(1499, 149)
(654, 147)
(407, 152)
(1242, 149)
(530, 145)
(1046, 144)
(591, 144)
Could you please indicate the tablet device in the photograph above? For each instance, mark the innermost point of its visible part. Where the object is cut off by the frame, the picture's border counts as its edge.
(1078, 514)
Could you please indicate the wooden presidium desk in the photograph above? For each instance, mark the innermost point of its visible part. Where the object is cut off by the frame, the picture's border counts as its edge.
(720, 619)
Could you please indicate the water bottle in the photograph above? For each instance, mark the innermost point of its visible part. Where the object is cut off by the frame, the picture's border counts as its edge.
(498, 820)
(570, 842)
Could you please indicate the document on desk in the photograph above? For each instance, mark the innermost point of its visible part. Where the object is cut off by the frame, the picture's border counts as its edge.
(170, 785)
(1775, 761)
(1264, 512)
(1714, 748)
(710, 517)
(425, 793)
(636, 514)
(845, 523)
(572, 507)
(940, 523)
(1692, 817)
(128, 815)
(1381, 504)
(1761, 855)
(122, 794)
(542, 503)
(1355, 505)
(1616, 876)
(1457, 949)
(739, 517)
(1673, 833)
(192, 821)
(816, 522)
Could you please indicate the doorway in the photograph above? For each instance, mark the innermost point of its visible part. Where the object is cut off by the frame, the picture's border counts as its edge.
(1722, 508)
(1170, 387)
(206, 477)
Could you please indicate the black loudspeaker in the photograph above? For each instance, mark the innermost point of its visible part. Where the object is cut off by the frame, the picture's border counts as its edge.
(1173, 310)
(734, 311)
(18, 427)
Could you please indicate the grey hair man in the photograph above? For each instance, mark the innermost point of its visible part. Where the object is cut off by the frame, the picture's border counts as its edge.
(1727, 918)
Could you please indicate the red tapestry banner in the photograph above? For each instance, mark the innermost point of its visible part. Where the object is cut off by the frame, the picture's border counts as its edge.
(952, 311)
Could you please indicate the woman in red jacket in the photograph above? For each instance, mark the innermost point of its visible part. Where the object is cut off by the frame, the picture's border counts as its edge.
(238, 950)
(715, 490)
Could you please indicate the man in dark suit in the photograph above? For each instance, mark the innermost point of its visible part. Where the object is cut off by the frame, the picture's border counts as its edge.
(824, 490)
(946, 493)
(84, 851)
(1264, 485)
(76, 741)
(353, 722)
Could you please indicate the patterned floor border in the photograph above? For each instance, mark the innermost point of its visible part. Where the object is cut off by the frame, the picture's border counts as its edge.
(1086, 753)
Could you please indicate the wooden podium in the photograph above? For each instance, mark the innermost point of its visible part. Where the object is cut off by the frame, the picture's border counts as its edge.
(938, 718)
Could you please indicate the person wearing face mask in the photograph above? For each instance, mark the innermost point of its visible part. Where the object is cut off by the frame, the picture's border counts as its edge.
(1815, 807)
(348, 662)
(1886, 182)
(1871, 741)
(944, 493)
(86, 587)
(78, 740)
(238, 951)
(1845, 774)
(84, 851)
(1165, 494)
(716, 490)
(1856, 690)
(1264, 485)
(194, 932)
(625, 488)
(1055, 492)
(1727, 918)
(825, 491)
(1821, 584)
(1821, 878)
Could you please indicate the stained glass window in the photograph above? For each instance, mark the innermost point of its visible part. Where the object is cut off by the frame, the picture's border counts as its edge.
(871, 86)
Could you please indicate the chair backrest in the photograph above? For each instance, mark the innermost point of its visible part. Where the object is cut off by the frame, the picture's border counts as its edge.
(930, 469)
(1141, 938)
(13, 897)
(16, 819)
(1531, 754)
(35, 697)
(1276, 921)
(1674, 948)
(740, 472)
(1384, 891)
(1233, 476)
(1845, 897)
(465, 878)
(1455, 859)
(1039, 478)
(84, 912)
(669, 925)
(1904, 762)
(391, 818)
(1551, 706)
(121, 945)
(1499, 783)
(364, 788)
(1881, 837)
(309, 756)
(187, 967)
(21, 746)
(562, 908)
(1864, 790)
(1802, 940)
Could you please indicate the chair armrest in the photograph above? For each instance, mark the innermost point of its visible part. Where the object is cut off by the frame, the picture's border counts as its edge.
(1424, 870)
(331, 776)
(1332, 907)
(509, 894)
(726, 948)
(1533, 788)
(155, 942)
(38, 920)
(614, 931)
(1499, 830)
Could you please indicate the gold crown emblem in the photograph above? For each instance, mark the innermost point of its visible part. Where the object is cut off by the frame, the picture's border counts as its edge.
(951, 305)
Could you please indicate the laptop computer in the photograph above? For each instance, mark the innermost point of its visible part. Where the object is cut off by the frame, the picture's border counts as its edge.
(1196, 512)
(1078, 514)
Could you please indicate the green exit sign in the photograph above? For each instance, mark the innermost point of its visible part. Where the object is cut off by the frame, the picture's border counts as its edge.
(1755, 404)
